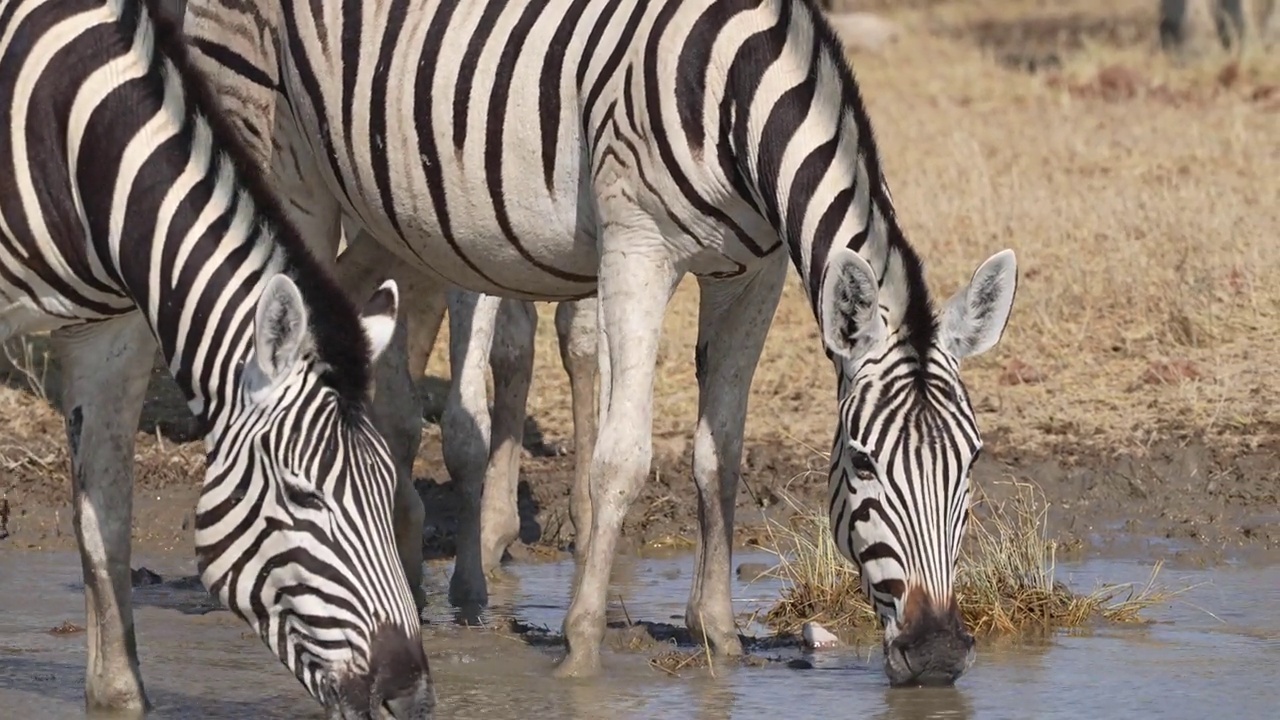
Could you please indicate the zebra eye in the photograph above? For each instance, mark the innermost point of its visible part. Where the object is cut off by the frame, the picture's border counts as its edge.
(302, 497)
(863, 466)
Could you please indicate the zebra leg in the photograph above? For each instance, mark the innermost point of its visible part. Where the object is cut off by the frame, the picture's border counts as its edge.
(733, 320)
(511, 361)
(465, 428)
(576, 331)
(397, 409)
(106, 367)
(634, 290)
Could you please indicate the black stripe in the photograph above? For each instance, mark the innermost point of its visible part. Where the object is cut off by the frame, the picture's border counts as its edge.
(236, 63)
(621, 46)
(423, 85)
(396, 12)
(694, 63)
(301, 63)
(350, 38)
(662, 136)
(493, 149)
(467, 72)
(592, 44)
(780, 126)
(550, 85)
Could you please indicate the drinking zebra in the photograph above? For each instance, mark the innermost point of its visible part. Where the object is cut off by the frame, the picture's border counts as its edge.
(489, 336)
(558, 149)
(129, 216)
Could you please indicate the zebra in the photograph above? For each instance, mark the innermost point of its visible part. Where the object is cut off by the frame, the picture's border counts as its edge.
(489, 336)
(129, 220)
(564, 149)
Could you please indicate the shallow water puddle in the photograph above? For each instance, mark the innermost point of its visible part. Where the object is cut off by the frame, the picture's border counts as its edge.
(198, 663)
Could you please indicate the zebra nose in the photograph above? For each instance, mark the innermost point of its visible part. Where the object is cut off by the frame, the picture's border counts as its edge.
(417, 704)
(400, 675)
(935, 649)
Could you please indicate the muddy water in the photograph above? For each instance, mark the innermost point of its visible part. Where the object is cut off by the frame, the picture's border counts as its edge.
(199, 662)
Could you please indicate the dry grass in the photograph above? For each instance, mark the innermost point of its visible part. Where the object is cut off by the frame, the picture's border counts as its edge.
(1005, 581)
(34, 459)
(1138, 195)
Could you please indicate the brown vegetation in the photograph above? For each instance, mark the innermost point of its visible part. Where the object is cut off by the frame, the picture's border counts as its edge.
(1005, 582)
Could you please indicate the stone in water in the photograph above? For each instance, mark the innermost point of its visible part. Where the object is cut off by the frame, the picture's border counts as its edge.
(817, 637)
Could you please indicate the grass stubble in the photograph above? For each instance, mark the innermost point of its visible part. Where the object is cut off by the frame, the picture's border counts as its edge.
(1006, 584)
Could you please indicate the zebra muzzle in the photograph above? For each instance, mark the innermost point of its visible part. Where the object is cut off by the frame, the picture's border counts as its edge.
(932, 648)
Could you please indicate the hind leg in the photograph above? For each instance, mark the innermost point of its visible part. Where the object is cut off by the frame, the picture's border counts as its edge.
(576, 332)
(465, 430)
(733, 320)
(106, 367)
(511, 363)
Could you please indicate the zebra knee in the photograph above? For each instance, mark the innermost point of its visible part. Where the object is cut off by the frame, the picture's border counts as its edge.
(577, 333)
(619, 468)
(464, 431)
(511, 356)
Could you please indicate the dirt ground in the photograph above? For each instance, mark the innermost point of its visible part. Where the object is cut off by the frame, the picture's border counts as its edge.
(1137, 383)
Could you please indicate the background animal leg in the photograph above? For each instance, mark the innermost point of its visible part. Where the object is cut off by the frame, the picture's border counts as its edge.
(106, 367)
(465, 430)
(511, 360)
(397, 408)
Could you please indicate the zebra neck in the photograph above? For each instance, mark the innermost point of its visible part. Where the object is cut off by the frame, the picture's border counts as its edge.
(201, 304)
(177, 224)
(204, 230)
(805, 156)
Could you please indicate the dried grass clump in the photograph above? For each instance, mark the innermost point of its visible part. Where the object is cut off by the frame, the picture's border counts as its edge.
(1005, 581)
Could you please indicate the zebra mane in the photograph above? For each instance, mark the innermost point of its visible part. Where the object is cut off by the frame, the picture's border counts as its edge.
(340, 341)
(919, 324)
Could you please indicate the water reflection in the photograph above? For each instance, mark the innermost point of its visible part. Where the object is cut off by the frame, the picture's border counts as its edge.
(202, 665)
(926, 703)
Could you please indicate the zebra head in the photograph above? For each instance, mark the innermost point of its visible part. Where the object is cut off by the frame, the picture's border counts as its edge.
(294, 525)
(907, 439)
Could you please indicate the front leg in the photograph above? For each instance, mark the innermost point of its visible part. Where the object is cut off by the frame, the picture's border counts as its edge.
(636, 282)
(733, 320)
(465, 434)
(106, 367)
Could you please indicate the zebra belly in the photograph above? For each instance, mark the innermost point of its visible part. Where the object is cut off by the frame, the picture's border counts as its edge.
(24, 317)
(515, 241)
(452, 170)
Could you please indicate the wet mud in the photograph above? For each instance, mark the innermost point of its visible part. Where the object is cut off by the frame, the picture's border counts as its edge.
(1179, 499)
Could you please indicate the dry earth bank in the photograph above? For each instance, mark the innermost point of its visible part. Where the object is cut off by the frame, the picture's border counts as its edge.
(1138, 381)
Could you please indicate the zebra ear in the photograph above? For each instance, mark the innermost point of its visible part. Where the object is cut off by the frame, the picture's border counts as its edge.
(849, 307)
(973, 320)
(379, 318)
(280, 333)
